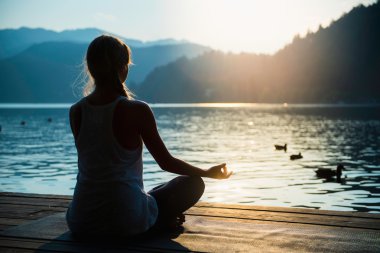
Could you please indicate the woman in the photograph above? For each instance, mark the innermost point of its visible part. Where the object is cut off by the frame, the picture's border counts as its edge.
(109, 129)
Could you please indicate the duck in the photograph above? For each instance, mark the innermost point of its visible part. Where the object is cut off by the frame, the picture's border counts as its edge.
(280, 147)
(295, 157)
(49, 119)
(22, 123)
(329, 173)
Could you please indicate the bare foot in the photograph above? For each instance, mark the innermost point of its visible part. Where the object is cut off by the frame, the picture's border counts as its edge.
(176, 222)
(181, 217)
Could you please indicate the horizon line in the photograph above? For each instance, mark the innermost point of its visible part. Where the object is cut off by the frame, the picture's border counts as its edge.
(199, 105)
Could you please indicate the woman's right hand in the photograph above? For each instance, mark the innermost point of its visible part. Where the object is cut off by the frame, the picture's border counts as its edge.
(218, 172)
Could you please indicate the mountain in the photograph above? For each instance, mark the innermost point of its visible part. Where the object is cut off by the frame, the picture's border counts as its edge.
(145, 59)
(339, 63)
(211, 77)
(14, 41)
(35, 76)
(46, 72)
(163, 42)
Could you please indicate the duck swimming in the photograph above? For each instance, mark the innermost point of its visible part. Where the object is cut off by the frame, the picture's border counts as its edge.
(329, 173)
(295, 157)
(280, 147)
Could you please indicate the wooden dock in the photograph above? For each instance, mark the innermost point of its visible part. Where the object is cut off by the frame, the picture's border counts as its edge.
(32, 222)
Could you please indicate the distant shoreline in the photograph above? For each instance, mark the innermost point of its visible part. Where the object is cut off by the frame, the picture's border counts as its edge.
(194, 105)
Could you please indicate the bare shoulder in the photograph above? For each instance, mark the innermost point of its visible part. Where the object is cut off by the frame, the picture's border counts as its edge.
(75, 108)
(133, 113)
(75, 115)
(134, 103)
(136, 106)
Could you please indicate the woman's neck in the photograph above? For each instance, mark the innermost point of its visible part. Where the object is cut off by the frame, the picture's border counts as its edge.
(100, 95)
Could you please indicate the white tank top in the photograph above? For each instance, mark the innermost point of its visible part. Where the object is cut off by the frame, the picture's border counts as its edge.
(109, 196)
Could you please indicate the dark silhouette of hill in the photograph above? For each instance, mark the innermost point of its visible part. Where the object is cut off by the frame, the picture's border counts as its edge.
(36, 76)
(212, 77)
(14, 41)
(46, 71)
(340, 63)
(145, 59)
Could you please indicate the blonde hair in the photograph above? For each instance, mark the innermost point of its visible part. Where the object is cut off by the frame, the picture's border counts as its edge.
(106, 57)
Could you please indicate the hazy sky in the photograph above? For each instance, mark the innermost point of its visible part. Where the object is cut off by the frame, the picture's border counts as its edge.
(230, 25)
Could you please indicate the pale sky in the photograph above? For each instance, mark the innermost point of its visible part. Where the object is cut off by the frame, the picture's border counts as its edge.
(230, 25)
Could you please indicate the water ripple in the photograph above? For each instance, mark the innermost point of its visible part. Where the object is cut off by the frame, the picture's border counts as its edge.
(40, 157)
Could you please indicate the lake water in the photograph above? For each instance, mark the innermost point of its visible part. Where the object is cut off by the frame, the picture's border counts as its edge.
(40, 156)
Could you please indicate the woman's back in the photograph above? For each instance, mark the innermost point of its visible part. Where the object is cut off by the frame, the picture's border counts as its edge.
(109, 182)
(100, 155)
(125, 122)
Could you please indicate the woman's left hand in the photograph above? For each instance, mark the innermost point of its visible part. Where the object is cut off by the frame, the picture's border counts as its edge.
(218, 172)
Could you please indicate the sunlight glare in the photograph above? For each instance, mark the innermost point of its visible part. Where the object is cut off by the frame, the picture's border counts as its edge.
(244, 24)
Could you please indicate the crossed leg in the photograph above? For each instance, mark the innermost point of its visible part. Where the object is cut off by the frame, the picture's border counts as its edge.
(175, 197)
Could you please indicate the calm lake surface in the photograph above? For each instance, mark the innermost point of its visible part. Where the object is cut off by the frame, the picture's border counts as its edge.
(40, 156)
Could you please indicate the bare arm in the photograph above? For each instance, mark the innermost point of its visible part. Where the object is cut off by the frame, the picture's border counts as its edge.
(75, 116)
(164, 159)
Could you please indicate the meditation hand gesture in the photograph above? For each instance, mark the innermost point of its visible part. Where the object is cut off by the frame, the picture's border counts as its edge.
(219, 172)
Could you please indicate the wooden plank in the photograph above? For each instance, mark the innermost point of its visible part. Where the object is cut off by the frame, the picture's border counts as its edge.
(13, 250)
(34, 195)
(65, 246)
(27, 212)
(287, 210)
(44, 245)
(11, 221)
(5, 227)
(6, 223)
(34, 201)
(303, 218)
(29, 208)
(20, 214)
